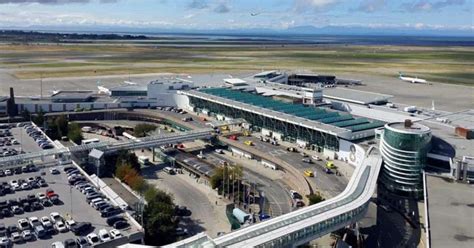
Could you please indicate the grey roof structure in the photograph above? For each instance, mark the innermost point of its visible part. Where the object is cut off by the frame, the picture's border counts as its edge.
(341, 132)
(129, 88)
(72, 96)
(354, 96)
(97, 154)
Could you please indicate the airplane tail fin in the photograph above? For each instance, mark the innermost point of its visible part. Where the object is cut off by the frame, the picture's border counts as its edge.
(400, 74)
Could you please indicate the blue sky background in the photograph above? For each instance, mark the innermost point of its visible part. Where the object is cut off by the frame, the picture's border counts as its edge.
(236, 14)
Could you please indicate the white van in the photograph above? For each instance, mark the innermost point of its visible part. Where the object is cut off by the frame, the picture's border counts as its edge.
(169, 170)
(143, 160)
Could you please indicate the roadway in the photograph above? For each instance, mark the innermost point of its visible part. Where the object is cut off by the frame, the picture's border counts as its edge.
(276, 193)
(200, 199)
(329, 184)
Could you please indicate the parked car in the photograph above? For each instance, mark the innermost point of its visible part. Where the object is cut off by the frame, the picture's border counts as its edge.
(81, 228)
(23, 224)
(27, 235)
(82, 242)
(70, 223)
(110, 211)
(5, 242)
(60, 226)
(16, 237)
(55, 217)
(111, 221)
(34, 221)
(104, 235)
(92, 238)
(121, 224)
(3, 230)
(46, 222)
(70, 243)
(115, 234)
(57, 244)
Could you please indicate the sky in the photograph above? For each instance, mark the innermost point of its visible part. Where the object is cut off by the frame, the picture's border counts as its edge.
(239, 14)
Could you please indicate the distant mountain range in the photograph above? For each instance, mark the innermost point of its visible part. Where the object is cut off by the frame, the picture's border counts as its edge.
(302, 30)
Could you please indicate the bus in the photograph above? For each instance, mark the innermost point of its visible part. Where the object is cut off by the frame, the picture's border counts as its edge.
(129, 136)
(89, 141)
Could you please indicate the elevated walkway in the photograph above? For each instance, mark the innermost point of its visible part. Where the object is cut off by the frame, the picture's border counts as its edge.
(150, 141)
(301, 226)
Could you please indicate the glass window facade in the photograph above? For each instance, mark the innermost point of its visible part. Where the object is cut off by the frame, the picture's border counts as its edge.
(404, 156)
(291, 132)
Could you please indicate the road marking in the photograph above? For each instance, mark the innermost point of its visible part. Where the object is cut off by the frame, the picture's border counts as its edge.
(277, 153)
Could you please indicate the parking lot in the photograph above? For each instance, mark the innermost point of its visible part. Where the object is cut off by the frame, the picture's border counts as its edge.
(72, 205)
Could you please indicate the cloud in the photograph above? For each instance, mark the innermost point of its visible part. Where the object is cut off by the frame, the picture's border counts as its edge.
(370, 6)
(53, 1)
(222, 8)
(47, 18)
(305, 5)
(425, 5)
(198, 4)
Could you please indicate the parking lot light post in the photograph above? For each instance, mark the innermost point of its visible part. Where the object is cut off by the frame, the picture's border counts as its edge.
(70, 193)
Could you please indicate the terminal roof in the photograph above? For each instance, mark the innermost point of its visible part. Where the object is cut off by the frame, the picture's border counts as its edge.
(355, 96)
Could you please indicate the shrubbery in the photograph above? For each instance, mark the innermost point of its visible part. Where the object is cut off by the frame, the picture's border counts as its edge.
(315, 198)
(74, 133)
(142, 129)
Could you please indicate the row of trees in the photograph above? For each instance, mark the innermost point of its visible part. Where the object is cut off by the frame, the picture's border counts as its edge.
(57, 127)
(159, 217)
(228, 180)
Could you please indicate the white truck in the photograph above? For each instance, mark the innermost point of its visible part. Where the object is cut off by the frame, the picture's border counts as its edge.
(410, 109)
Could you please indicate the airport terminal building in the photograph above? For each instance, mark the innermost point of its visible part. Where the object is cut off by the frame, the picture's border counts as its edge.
(319, 128)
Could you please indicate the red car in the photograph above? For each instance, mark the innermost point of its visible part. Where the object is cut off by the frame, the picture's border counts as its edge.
(49, 193)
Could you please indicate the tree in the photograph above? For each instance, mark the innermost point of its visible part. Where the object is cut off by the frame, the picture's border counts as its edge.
(127, 157)
(159, 218)
(26, 115)
(226, 176)
(150, 193)
(315, 198)
(52, 129)
(142, 129)
(122, 170)
(62, 125)
(39, 118)
(74, 133)
(138, 184)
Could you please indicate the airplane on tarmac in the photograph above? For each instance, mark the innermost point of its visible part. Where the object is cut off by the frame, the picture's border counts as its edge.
(413, 80)
(102, 89)
(129, 83)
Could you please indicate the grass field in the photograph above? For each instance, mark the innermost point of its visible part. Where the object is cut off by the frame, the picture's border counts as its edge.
(439, 64)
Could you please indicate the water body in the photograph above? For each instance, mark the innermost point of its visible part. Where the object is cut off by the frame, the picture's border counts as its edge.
(282, 39)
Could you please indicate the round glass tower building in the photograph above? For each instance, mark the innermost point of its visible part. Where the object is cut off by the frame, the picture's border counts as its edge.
(404, 147)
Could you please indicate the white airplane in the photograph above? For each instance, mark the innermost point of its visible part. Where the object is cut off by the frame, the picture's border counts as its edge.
(413, 80)
(102, 89)
(129, 83)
